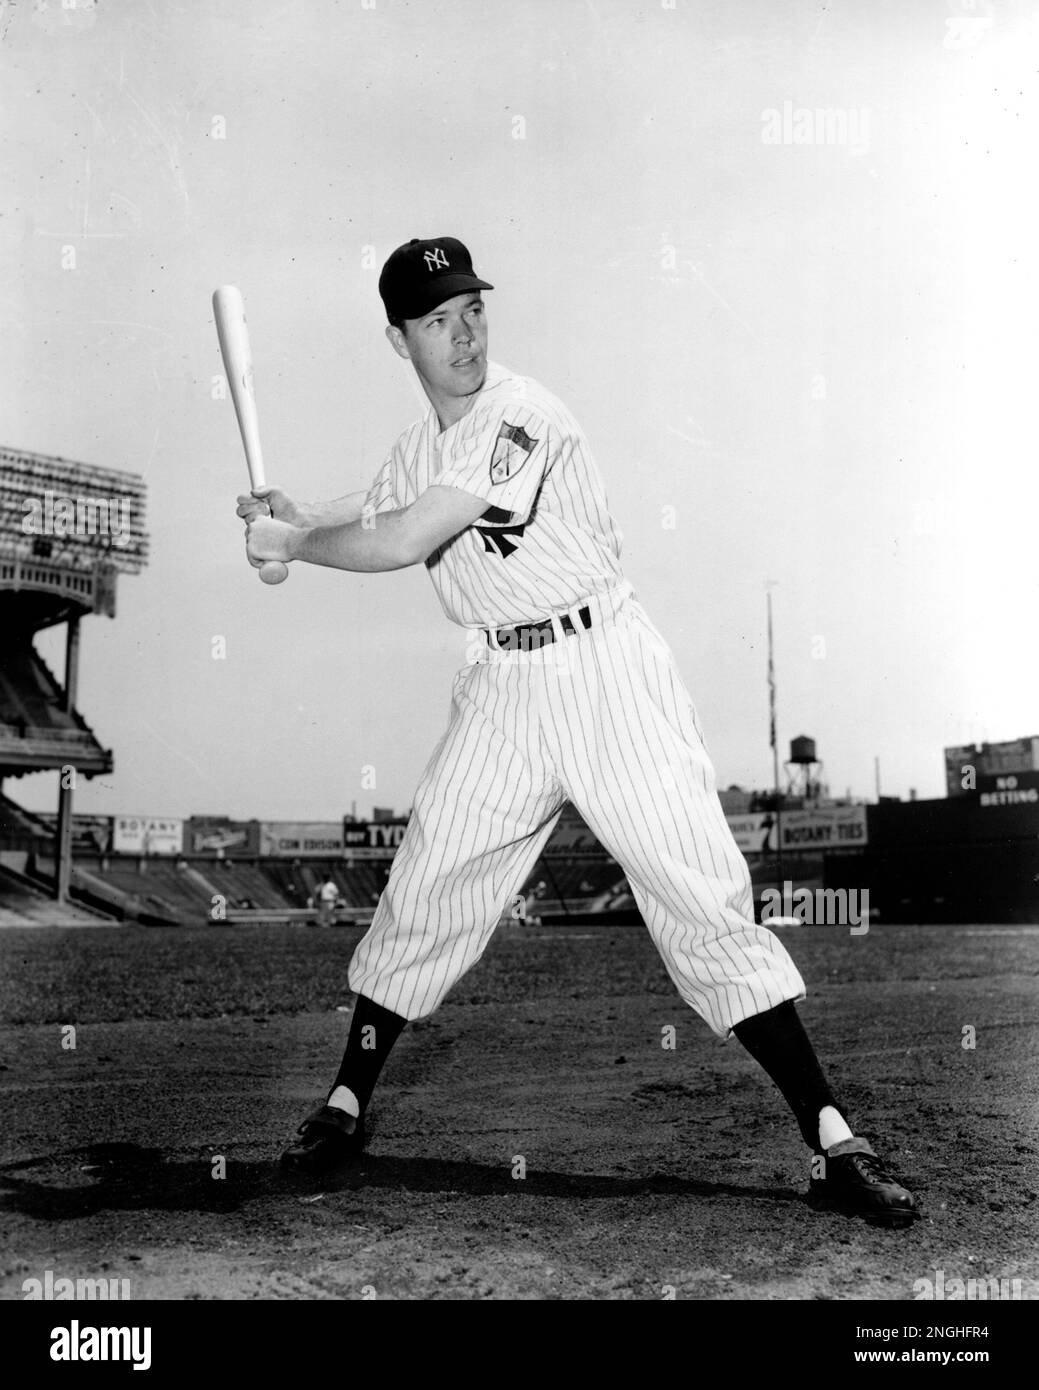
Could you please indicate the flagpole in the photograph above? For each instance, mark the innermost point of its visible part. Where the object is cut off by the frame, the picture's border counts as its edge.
(775, 750)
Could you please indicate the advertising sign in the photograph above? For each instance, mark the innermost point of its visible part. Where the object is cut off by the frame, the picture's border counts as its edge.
(220, 836)
(821, 827)
(298, 839)
(373, 839)
(147, 835)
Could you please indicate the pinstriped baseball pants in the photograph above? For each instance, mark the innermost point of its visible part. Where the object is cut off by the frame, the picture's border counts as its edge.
(602, 719)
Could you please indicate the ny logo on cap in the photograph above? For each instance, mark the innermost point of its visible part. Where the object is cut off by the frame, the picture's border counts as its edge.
(435, 259)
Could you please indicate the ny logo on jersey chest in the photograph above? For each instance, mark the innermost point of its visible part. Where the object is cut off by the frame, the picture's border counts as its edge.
(512, 448)
(496, 541)
(495, 536)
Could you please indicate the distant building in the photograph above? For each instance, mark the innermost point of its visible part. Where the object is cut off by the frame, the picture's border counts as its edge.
(989, 768)
(735, 801)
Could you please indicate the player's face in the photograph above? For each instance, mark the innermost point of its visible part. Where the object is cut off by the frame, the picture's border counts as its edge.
(447, 348)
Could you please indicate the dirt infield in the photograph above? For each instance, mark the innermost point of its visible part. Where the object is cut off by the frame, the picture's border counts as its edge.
(533, 1139)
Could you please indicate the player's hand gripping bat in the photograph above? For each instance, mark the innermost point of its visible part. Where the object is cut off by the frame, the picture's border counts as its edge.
(229, 312)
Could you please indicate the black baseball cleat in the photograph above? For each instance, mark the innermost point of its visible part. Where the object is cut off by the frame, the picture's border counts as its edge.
(329, 1138)
(853, 1180)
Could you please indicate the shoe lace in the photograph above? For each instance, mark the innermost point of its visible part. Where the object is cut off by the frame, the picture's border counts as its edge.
(872, 1169)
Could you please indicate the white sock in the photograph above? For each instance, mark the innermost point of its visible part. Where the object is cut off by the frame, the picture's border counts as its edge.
(833, 1127)
(344, 1099)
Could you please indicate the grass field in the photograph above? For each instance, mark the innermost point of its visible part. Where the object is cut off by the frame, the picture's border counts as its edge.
(646, 1171)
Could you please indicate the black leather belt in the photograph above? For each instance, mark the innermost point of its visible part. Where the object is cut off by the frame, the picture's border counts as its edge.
(532, 636)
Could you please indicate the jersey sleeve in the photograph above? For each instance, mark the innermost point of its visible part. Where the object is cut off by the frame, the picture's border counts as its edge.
(501, 454)
(382, 494)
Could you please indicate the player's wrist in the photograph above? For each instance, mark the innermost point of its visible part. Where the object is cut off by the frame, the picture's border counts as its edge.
(295, 542)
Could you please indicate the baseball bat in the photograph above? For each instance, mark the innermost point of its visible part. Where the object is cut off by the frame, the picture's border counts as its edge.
(231, 329)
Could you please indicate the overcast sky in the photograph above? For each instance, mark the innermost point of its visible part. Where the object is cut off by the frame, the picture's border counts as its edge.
(811, 362)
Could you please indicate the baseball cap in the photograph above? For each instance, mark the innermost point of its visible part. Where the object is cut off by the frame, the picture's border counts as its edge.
(421, 274)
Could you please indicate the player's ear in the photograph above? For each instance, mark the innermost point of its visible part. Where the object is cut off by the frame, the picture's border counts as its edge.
(398, 341)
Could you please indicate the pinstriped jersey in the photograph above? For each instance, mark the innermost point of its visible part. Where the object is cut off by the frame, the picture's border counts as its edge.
(547, 540)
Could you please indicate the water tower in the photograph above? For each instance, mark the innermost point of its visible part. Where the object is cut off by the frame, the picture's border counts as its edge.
(803, 769)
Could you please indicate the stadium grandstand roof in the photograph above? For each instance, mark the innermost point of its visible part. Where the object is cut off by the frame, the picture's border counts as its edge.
(67, 531)
(71, 514)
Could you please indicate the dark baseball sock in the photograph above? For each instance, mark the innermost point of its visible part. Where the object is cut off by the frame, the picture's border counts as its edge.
(776, 1039)
(373, 1031)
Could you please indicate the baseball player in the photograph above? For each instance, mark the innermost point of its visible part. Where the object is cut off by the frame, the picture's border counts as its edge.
(327, 898)
(570, 693)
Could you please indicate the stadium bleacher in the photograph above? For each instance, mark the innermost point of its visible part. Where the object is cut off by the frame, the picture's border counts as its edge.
(173, 888)
(363, 883)
(123, 896)
(22, 904)
(18, 818)
(578, 878)
(247, 885)
(170, 890)
(34, 724)
(286, 878)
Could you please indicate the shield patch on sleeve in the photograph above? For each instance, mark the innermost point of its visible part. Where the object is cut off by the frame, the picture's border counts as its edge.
(512, 448)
